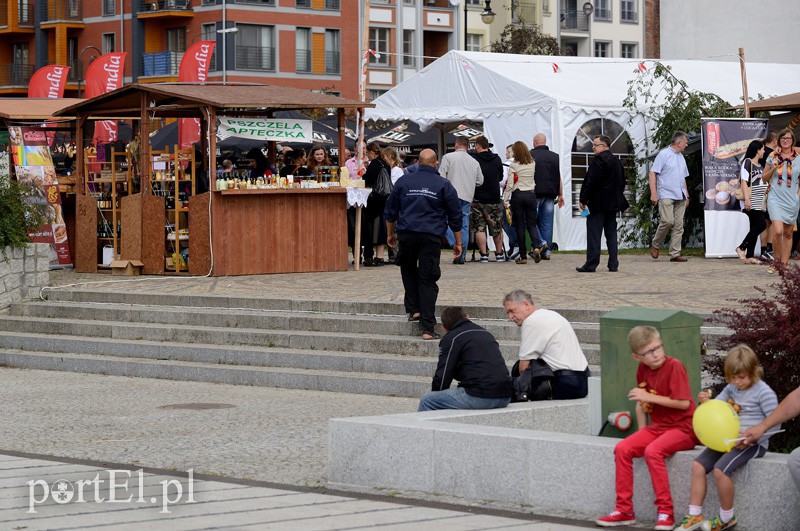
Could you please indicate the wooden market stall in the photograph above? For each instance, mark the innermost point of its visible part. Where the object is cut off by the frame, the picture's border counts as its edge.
(226, 232)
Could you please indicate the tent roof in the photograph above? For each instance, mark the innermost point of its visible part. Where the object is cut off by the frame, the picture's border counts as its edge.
(185, 99)
(33, 108)
(787, 102)
(473, 85)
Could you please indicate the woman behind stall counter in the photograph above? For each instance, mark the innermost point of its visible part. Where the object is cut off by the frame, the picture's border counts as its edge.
(318, 156)
(295, 164)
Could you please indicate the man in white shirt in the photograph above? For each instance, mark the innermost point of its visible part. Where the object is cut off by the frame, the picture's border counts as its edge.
(465, 174)
(548, 336)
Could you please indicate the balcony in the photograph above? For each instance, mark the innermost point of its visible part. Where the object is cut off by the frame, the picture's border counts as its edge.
(574, 21)
(160, 64)
(303, 61)
(255, 58)
(333, 63)
(24, 22)
(165, 9)
(63, 11)
(16, 75)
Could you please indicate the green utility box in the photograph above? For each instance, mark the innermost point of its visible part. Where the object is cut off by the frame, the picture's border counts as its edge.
(680, 332)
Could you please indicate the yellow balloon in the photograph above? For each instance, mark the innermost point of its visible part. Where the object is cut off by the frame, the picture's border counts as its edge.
(716, 424)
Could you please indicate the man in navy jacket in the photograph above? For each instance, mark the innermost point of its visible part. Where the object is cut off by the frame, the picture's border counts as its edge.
(470, 354)
(421, 206)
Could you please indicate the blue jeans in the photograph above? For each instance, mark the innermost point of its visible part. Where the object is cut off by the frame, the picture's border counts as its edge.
(458, 398)
(466, 206)
(544, 213)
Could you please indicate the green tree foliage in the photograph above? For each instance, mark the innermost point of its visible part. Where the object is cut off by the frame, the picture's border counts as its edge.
(525, 39)
(22, 208)
(767, 324)
(669, 106)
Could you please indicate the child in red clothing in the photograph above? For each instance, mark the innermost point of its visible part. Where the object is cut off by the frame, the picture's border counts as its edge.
(663, 393)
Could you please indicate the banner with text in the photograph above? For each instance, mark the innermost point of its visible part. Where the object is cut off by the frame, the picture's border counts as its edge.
(277, 129)
(104, 75)
(193, 69)
(34, 164)
(724, 142)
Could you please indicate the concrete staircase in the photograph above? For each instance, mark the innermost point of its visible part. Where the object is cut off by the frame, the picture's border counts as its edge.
(366, 348)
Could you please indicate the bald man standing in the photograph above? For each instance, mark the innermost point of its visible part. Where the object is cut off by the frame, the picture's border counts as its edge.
(421, 206)
(547, 177)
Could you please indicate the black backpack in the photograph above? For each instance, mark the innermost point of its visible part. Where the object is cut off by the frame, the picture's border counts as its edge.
(535, 383)
(383, 184)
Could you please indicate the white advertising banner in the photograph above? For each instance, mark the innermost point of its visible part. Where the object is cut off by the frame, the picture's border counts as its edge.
(277, 129)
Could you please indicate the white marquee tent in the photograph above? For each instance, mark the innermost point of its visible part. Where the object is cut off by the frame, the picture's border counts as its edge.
(516, 96)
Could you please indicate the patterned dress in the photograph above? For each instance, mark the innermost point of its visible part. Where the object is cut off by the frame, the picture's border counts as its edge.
(782, 201)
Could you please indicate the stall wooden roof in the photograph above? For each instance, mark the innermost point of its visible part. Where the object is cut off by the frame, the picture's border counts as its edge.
(787, 102)
(35, 108)
(186, 99)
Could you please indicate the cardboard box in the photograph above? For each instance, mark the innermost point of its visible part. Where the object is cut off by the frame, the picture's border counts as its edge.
(127, 268)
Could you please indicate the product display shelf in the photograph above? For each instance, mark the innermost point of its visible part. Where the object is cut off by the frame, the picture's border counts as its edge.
(107, 181)
(171, 181)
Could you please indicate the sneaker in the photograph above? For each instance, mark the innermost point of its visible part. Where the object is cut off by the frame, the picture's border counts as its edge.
(499, 257)
(513, 254)
(690, 522)
(665, 522)
(768, 256)
(715, 524)
(616, 518)
(485, 258)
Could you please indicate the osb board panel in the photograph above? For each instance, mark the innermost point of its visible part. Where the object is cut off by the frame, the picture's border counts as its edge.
(281, 233)
(131, 219)
(199, 245)
(154, 235)
(85, 234)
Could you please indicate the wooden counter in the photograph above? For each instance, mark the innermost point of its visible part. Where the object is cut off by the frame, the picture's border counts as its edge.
(255, 232)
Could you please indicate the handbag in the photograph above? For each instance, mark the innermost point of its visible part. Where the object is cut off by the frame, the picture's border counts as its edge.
(535, 382)
(383, 184)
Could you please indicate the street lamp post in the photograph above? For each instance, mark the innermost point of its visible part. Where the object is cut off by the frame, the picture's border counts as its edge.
(80, 64)
(224, 32)
(487, 17)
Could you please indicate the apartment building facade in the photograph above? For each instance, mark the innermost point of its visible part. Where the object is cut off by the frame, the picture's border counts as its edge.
(307, 44)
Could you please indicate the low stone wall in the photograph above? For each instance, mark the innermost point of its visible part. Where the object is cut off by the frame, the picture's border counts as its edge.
(22, 272)
(531, 457)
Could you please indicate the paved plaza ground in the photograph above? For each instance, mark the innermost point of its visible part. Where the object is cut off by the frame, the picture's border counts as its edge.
(278, 437)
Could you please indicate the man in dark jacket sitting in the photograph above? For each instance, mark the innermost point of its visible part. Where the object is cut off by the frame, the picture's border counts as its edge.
(470, 354)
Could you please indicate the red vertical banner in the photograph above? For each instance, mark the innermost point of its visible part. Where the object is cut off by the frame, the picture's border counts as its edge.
(193, 69)
(104, 75)
(34, 164)
(48, 82)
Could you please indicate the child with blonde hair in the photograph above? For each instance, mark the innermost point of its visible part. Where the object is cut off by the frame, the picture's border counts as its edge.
(754, 401)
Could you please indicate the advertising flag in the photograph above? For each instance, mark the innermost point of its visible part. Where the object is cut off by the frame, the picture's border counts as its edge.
(48, 82)
(194, 69)
(104, 75)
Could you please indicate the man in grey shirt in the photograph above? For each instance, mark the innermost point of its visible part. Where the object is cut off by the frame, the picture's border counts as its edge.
(668, 190)
(465, 174)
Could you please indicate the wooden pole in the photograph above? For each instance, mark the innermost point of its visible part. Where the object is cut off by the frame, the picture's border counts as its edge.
(744, 84)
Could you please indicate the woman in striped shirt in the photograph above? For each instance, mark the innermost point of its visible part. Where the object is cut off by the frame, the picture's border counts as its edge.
(754, 190)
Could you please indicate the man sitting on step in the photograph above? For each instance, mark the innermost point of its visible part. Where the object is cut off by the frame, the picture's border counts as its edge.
(548, 336)
(470, 354)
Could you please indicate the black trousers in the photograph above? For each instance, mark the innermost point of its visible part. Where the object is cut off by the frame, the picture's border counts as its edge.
(523, 216)
(418, 257)
(570, 384)
(596, 223)
(758, 222)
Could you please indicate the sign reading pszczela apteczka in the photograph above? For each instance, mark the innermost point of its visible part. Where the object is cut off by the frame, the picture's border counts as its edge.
(265, 129)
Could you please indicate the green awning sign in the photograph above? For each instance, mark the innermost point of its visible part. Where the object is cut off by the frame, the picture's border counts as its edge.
(278, 129)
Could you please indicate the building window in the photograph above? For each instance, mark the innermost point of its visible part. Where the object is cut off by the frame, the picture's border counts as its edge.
(602, 49)
(303, 3)
(109, 42)
(22, 69)
(176, 40)
(628, 50)
(409, 2)
(602, 10)
(255, 47)
(109, 7)
(546, 7)
(72, 58)
(627, 11)
(209, 33)
(621, 146)
(379, 42)
(333, 52)
(409, 56)
(332, 5)
(302, 47)
(259, 2)
(474, 42)
(374, 93)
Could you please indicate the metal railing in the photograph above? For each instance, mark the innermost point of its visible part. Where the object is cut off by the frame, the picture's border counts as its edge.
(16, 74)
(259, 2)
(255, 58)
(161, 63)
(303, 61)
(150, 6)
(63, 10)
(333, 63)
(332, 4)
(25, 16)
(574, 20)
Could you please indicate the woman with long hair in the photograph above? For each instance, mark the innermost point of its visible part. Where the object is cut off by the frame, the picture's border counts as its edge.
(753, 188)
(318, 156)
(783, 202)
(520, 195)
(374, 226)
(390, 157)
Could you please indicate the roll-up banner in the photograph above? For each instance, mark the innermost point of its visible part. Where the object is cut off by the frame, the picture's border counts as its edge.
(194, 69)
(33, 164)
(724, 142)
(104, 75)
